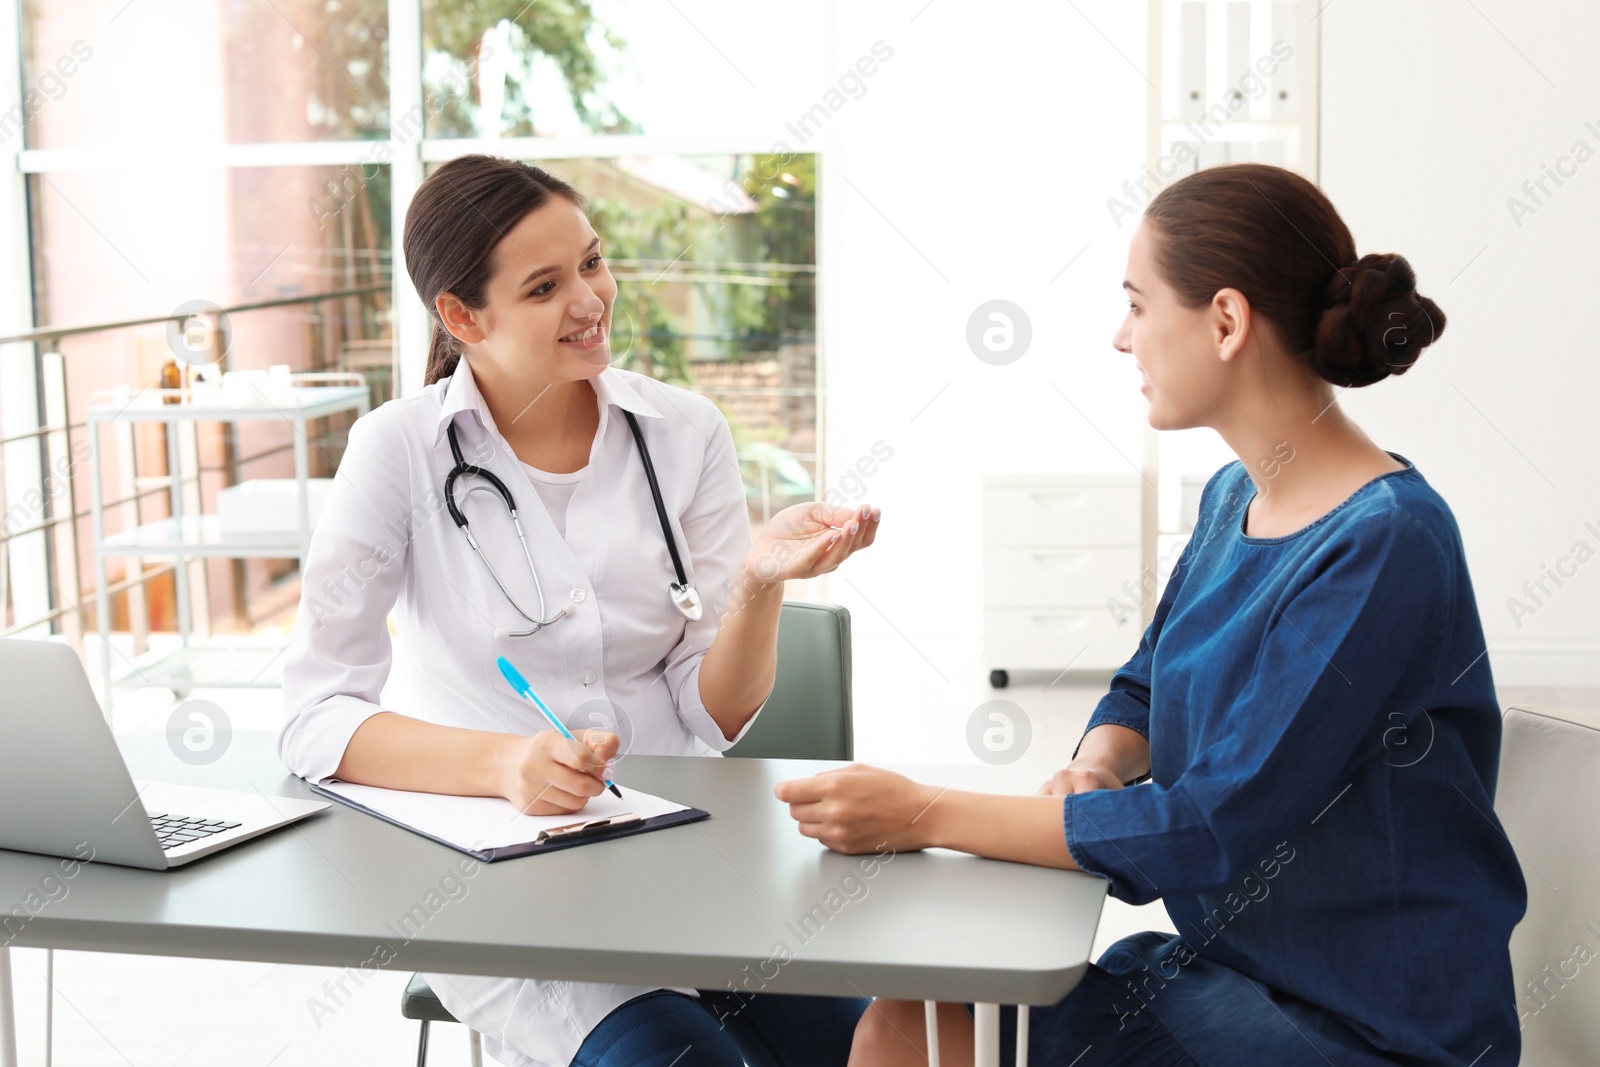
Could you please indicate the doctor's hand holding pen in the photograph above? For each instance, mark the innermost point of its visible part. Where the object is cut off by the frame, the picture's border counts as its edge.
(547, 774)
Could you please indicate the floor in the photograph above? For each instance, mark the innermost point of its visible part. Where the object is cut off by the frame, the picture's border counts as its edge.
(914, 704)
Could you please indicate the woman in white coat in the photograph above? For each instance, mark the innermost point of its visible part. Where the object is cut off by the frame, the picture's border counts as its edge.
(604, 623)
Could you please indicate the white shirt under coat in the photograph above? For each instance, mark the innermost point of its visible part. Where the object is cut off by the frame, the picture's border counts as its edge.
(386, 547)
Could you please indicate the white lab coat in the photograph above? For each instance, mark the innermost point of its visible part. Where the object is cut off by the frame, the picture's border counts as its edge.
(385, 546)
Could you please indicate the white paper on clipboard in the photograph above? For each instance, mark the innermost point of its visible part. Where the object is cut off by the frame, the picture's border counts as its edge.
(481, 823)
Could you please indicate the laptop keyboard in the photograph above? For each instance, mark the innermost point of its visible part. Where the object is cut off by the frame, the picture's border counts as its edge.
(174, 831)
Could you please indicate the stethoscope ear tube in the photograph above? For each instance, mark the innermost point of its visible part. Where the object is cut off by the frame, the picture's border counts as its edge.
(684, 596)
(461, 468)
(655, 494)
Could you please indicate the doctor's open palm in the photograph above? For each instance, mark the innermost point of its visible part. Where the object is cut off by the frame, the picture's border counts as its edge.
(806, 540)
(546, 774)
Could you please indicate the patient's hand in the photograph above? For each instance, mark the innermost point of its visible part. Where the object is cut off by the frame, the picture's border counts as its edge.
(1080, 777)
(859, 809)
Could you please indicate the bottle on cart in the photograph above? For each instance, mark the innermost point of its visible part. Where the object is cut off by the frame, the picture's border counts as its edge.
(171, 378)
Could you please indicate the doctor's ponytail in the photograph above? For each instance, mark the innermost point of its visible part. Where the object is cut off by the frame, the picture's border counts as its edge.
(443, 353)
(456, 219)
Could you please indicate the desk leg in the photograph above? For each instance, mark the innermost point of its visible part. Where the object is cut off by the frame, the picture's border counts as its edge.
(930, 1015)
(49, 1006)
(8, 1012)
(986, 1037)
(1022, 1035)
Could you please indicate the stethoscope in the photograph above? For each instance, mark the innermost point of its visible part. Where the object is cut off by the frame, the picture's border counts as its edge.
(682, 594)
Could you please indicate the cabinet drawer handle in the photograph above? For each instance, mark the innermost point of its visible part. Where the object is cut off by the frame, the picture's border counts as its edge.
(1060, 503)
(1061, 562)
(1061, 624)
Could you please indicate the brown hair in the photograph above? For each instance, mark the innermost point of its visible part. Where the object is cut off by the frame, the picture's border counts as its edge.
(1275, 237)
(457, 217)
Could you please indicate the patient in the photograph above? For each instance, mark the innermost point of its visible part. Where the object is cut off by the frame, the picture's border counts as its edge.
(1312, 704)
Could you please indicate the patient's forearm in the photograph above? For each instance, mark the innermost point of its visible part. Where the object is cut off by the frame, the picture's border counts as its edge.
(1020, 829)
(1124, 751)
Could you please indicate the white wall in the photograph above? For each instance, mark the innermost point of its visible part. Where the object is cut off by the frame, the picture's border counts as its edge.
(976, 168)
(1434, 113)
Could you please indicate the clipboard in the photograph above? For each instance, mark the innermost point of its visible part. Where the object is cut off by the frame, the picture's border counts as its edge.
(569, 833)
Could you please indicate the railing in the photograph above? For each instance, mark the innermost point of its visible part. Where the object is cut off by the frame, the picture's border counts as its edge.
(58, 524)
(57, 466)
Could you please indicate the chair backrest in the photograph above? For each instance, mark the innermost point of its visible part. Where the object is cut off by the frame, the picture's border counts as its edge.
(808, 714)
(1547, 796)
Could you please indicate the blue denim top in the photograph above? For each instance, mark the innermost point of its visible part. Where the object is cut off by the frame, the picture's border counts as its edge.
(1324, 741)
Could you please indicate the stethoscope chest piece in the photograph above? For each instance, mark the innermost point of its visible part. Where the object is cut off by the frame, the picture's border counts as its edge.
(687, 600)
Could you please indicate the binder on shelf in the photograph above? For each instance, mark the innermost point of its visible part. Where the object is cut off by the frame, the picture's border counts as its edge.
(1238, 65)
(1191, 59)
(1283, 87)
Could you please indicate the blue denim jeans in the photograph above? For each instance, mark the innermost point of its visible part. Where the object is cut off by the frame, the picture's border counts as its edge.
(1127, 1014)
(720, 1029)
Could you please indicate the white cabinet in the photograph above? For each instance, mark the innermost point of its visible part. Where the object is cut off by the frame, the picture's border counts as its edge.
(1059, 552)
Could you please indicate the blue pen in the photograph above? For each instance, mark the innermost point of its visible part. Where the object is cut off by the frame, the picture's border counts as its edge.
(520, 684)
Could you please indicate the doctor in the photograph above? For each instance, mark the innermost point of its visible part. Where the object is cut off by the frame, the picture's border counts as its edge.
(627, 591)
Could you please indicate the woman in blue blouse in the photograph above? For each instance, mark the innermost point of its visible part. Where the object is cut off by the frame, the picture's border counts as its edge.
(1312, 703)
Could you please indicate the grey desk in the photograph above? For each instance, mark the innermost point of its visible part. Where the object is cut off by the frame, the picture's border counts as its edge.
(705, 905)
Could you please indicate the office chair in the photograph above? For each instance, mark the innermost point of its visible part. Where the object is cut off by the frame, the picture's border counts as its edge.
(1548, 790)
(807, 716)
(419, 1002)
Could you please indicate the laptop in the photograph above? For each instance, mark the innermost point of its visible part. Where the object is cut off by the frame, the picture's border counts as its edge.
(65, 790)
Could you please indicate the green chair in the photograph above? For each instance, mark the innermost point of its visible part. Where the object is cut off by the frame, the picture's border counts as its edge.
(420, 1003)
(807, 716)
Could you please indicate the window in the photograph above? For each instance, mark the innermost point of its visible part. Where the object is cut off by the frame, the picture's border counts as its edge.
(249, 153)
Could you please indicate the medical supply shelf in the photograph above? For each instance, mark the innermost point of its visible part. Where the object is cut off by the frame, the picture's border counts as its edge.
(199, 535)
(241, 663)
(237, 662)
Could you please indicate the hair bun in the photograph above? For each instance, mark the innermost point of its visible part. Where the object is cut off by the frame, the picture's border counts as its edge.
(1374, 322)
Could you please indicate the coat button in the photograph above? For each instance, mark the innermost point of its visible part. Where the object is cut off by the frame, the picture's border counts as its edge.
(587, 677)
(578, 595)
